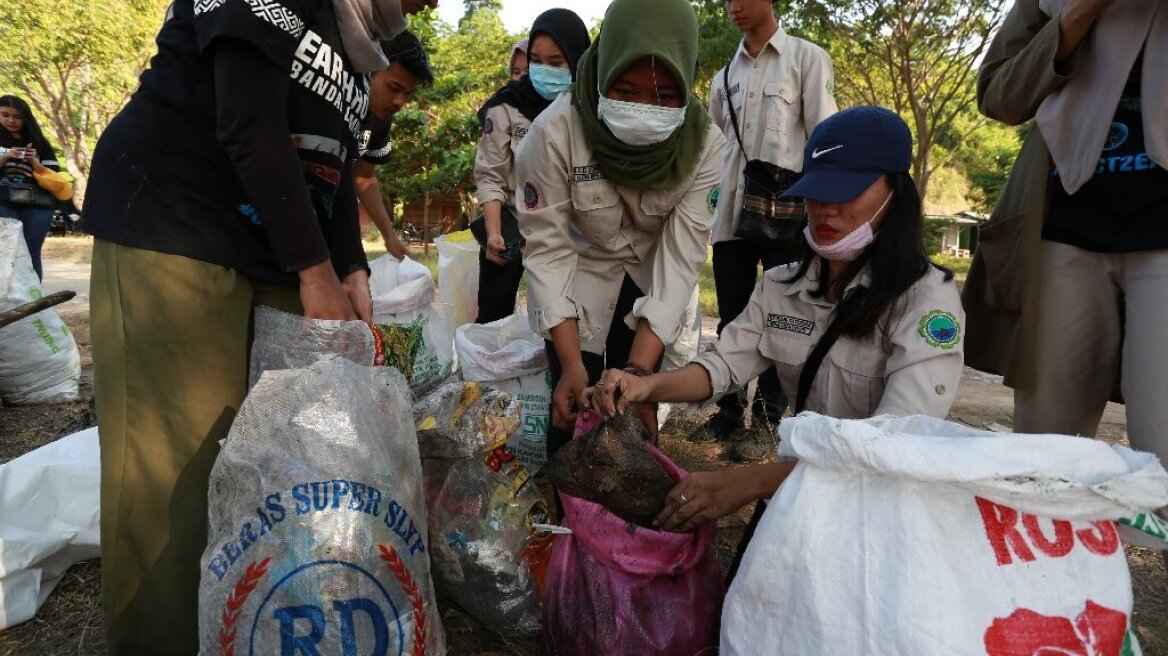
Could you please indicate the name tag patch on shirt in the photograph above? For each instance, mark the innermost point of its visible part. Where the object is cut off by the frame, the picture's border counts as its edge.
(790, 324)
(587, 173)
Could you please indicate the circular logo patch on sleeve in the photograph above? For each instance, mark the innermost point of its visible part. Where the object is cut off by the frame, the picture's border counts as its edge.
(488, 126)
(940, 329)
(712, 198)
(531, 195)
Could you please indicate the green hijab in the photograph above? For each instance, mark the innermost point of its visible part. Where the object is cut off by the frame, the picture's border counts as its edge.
(668, 31)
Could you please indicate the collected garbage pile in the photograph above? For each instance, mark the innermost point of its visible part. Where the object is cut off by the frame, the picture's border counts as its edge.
(611, 465)
(39, 361)
(486, 553)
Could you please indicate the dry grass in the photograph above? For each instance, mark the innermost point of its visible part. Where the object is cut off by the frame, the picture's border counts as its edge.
(75, 250)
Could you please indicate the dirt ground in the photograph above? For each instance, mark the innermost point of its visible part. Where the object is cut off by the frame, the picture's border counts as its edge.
(70, 623)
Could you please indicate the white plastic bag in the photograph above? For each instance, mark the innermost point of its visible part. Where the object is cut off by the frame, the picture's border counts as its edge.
(509, 357)
(682, 352)
(914, 536)
(39, 362)
(418, 341)
(458, 277)
(317, 524)
(49, 519)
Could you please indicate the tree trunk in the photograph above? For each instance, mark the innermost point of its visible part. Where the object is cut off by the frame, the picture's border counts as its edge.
(426, 222)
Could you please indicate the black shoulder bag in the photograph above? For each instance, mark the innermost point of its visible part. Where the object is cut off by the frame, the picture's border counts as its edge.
(806, 377)
(766, 216)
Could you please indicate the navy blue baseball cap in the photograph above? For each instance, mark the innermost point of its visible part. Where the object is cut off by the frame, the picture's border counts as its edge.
(849, 150)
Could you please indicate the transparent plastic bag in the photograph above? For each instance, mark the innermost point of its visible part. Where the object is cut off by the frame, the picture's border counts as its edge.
(486, 554)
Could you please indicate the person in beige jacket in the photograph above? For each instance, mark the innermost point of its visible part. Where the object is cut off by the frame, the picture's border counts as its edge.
(558, 38)
(862, 325)
(616, 183)
(1067, 293)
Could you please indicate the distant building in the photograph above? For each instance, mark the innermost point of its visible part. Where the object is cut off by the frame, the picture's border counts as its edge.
(958, 232)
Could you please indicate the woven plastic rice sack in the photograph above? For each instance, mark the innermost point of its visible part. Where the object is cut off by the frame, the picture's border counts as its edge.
(617, 588)
(417, 340)
(914, 536)
(317, 526)
(458, 277)
(290, 341)
(39, 361)
(485, 553)
(506, 355)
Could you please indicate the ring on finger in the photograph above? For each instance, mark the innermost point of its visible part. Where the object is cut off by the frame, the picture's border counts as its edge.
(684, 499)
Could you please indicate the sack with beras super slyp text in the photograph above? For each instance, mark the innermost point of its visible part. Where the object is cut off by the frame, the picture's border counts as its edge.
(317, 536)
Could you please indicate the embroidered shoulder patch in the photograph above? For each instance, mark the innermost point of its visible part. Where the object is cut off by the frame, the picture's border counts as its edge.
(712, 198)
(940, 329)
(488, 126)
(531, 196)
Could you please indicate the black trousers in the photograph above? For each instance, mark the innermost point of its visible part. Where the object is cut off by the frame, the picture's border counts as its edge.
(498, 286)
(616, 353)
(735, 275)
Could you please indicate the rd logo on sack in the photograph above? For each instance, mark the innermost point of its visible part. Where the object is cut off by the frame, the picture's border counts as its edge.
(349, 625)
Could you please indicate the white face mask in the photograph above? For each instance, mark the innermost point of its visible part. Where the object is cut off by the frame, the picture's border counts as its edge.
(637, 124)
(851, 245)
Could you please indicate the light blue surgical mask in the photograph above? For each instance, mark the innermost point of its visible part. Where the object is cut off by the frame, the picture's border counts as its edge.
(549, 81)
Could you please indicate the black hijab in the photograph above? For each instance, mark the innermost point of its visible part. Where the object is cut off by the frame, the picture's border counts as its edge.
(568, 31)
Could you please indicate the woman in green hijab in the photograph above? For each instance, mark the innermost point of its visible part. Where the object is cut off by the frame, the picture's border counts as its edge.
(618, 183)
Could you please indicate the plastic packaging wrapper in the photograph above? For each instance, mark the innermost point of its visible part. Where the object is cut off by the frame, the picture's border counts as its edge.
(49, 519)
(317, 526)
(418, 341)
(458, 277)
(617, 588)
(992, 544)
(485, 554)
(612, 465)
(506, 355)
(39, 361)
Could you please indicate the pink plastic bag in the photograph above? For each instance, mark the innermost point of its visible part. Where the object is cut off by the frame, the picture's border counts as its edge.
(616, 588)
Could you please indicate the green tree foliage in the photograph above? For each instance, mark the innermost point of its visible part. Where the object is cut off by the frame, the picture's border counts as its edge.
(77, 65)
(436, 136)
(918, 57)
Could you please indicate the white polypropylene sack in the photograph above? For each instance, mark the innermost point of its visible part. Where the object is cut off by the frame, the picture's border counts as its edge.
(49, 519)
(916, 537)
(317, 521)
(458, 277)
(682, 352)
(39, 362)
(509, 357)
(419, 341)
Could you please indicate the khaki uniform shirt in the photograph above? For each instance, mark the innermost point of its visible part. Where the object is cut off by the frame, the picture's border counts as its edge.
(494, 168)
(585, 233)
(911, 366)
(779, 98)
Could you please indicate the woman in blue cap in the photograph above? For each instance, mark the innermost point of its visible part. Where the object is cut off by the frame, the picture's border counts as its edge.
(862, 325)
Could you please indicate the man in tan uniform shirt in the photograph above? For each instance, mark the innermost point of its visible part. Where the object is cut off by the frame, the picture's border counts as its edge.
(780, 88)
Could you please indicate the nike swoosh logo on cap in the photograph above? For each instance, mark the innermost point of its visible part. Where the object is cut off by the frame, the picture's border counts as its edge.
(817, 153)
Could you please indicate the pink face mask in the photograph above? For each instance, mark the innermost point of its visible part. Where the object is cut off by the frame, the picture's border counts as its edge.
(851, 245)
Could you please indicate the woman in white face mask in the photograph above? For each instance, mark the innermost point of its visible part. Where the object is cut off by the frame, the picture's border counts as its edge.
(617, 185)
(558, 38)
(862, 325)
